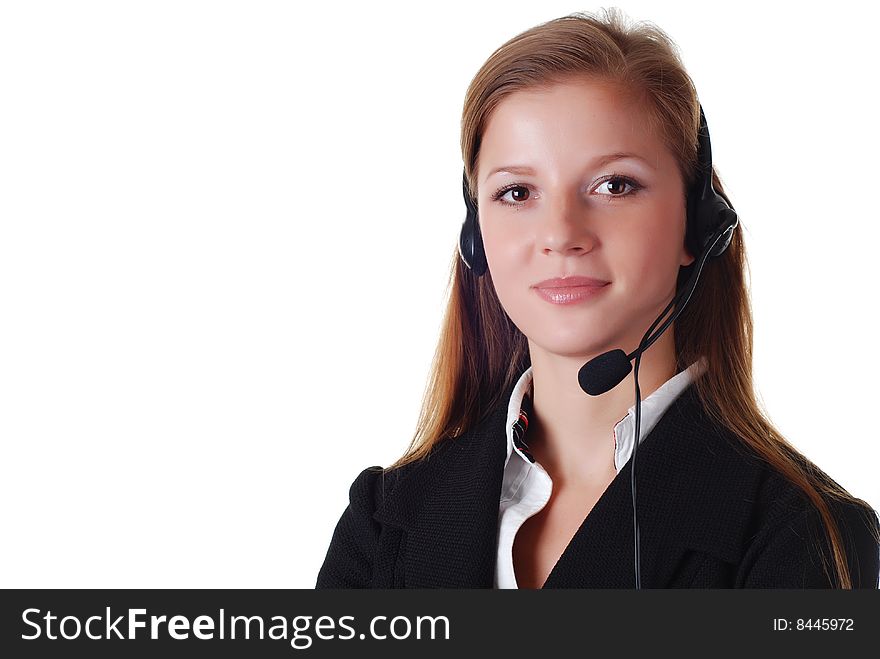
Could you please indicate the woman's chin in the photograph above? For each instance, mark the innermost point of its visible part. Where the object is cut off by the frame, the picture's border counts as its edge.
(572, 346)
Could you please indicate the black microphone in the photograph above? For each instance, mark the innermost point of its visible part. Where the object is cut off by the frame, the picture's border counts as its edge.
(604, 372)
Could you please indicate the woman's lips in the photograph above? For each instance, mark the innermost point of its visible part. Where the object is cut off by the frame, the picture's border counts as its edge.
(571, 280)
(569, 294)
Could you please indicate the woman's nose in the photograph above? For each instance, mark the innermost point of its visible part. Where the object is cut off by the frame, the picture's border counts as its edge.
(565, 228)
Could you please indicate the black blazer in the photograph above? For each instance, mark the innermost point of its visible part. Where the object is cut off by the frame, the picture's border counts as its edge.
(710, 516)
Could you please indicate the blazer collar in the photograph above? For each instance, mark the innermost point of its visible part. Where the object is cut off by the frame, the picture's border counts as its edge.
(694, 491)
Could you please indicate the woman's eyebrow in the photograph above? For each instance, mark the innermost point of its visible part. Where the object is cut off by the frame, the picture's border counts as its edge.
(598, 161)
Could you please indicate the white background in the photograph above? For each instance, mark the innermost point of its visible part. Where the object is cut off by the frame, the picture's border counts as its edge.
(225, 235)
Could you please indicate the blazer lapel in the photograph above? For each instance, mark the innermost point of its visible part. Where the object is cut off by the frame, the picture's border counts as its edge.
(695, 488)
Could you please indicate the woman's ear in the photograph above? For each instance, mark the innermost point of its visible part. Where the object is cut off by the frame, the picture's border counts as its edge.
(686, 257)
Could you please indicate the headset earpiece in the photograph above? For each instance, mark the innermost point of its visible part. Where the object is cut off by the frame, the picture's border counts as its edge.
(470, 242)
(710, 220)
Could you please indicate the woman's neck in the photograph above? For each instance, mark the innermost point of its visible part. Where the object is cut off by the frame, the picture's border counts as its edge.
(570, 432)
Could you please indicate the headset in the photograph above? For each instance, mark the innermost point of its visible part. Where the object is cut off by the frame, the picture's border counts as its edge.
(711, 221)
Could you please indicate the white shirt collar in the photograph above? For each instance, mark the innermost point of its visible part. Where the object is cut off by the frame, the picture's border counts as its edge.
(653, 408)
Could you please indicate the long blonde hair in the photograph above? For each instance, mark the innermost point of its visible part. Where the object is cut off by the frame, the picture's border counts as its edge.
(481, 353)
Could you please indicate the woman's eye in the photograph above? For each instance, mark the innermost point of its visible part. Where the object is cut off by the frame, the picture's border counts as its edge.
(513, 195)
(614, 186)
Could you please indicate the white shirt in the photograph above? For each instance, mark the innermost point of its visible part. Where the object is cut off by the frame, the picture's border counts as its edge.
(526, 486)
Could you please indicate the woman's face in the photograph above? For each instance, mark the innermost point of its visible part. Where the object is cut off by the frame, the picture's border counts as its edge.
(570, 212)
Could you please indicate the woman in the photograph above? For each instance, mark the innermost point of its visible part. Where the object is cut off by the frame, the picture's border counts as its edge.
(583, 148)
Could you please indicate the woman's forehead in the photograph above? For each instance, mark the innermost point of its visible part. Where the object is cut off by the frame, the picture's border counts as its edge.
(576, 122)
(593, 106)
